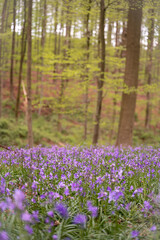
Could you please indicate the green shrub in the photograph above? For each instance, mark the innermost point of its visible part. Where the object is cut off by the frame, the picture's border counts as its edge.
(22, 131)
(4, 123)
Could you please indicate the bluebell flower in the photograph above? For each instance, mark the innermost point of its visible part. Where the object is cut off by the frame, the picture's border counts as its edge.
(92, 209)
(153, 228)
(134, 234)
(62, 210)
(80, 219)
(4, 235)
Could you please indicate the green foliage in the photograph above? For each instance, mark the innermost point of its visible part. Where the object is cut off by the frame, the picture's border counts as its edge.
(146, 137)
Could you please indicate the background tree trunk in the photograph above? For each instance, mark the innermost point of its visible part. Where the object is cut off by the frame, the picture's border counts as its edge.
(66, 65)
(55, 40)
(128, 103)
(42, 51)
(1, 42)
(86, 100)
(100, 81)
(149, 67)
(12, 51)
(29, 60)
(23, 50)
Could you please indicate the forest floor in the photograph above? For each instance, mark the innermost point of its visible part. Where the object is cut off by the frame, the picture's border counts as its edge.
(45, 125)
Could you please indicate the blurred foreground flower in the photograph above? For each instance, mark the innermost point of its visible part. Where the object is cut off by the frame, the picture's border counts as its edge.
(28, 229)
(153, 228)
(4, 236)
(134, 234)
(26, 217)
(50, 214)
(80, 219)
(19, 198)
(55, 237)
(62, 210)
(92, 209)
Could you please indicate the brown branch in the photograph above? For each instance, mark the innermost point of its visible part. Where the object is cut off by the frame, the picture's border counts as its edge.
(5, 147)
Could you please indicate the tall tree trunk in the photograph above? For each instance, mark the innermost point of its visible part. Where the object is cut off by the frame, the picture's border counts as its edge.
(12, 51)
(55, 40)
(23, 50)
(109, 33)
(111, 133)
(128, 103)
(66, 56)
(1, 32)
(29, 62)
(149, 67)
(100, 81)
(60, 32)
(37, 47)
(86, 100)
(42, 51)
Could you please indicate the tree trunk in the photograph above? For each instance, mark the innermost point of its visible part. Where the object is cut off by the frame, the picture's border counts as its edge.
(55, 41)
(42, 51)
(29, 62)
(1, 32)
(12, 51)
(109, 33)
(66, 56)
(100, 82)
(60, 32)
(111, 133)
(149, 67)
(128, 104)
(23, 50)
(86, 100)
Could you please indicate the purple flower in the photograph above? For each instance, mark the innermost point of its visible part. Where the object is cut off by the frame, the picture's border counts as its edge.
(80, 219)
(92, 209)
(26, 217)
(47, 220)
(147, 205)
(115, 195)
(28, 229)
(50, 214)
(9, 203)
(4, 235)
(153, 228)
(131, 188)
(35, 215)
(55, 237)
(134, 234)
(128, 206)
(3, 205)
(66, 192)
(19, 198)
(62, 210)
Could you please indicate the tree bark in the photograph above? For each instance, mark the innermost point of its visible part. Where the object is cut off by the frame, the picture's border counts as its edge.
(87, 77)
(128, 104)
(1, 32)
(100, 81)
(12, 51)
(66, 56)
(23, 50)
(55, 41)
(149, 68)
(111, 133)
(29, 62)
(42, 51)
